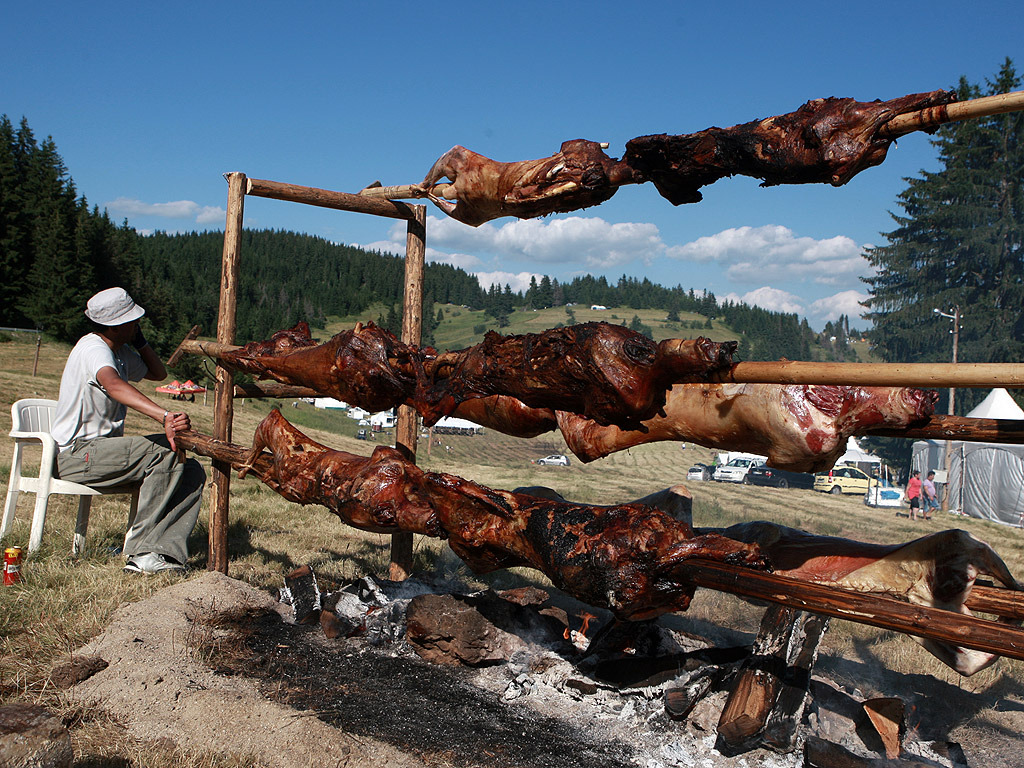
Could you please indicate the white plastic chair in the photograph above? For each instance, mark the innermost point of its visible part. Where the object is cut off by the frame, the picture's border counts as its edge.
(31, 424)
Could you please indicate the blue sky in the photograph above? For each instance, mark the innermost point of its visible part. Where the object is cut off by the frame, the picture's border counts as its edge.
(150, 104)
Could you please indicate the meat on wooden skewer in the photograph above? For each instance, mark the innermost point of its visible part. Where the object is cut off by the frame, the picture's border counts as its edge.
(627, 558)
(938, 570)
(800, 427)
(601, 385)
(824, 141)
(578, 176)
(803, 428)
(619, 557)
(608, 373)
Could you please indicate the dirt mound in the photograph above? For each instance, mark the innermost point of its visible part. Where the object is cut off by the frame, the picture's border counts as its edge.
(160, 689)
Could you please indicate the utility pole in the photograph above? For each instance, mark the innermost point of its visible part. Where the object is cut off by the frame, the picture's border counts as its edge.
(956, 317)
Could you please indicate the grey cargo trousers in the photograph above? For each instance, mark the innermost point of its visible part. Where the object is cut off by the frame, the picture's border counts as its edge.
(169, 497)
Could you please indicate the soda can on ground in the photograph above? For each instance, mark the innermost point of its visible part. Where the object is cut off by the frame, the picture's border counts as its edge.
(12, 565)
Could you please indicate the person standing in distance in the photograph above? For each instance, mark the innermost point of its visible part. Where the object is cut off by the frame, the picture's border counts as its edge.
(914, 493)
(88, 427)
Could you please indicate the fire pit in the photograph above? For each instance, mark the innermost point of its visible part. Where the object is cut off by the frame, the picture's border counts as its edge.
(508, 679)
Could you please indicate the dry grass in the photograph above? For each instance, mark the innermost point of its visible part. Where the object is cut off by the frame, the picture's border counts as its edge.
(62, 602)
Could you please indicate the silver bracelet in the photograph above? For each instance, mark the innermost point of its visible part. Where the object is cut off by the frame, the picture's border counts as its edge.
(166, 413)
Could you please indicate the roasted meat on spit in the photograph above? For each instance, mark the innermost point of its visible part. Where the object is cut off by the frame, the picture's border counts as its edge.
(605, 372)
(619, 557)
(824, 141)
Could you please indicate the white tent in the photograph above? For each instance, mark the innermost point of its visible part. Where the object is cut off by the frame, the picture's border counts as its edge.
(858, 457)
(985, 480)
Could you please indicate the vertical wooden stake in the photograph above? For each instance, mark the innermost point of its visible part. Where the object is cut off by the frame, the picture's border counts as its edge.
(412, 330)
(35, 363)
(217, 557)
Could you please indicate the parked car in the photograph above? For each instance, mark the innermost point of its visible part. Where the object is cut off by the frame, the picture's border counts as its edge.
(699, 472)
(735, 470)
(884, 496)
(843, 480)
(779, 478)
(554, 460)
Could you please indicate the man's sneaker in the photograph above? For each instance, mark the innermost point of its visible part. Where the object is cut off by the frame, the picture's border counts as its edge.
(152, 562)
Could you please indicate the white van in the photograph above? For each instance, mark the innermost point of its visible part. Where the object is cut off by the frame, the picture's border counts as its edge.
(736, 469)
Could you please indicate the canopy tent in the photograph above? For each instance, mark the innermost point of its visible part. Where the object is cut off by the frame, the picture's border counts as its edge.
(858, 457)
(174, 388)
(985, 480)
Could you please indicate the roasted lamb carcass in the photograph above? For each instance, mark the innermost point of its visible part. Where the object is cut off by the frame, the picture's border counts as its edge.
(800, 427)
(619, 557)
(578, 176)
(608, 373)
(824, 141)
(937, 571)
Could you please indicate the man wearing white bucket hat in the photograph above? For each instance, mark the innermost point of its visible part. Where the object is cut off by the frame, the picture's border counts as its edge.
(88, 426)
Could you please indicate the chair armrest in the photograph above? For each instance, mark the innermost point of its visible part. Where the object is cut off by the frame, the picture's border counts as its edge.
(47, 441)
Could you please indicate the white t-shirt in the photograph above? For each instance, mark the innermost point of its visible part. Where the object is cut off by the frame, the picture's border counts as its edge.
(84, 409)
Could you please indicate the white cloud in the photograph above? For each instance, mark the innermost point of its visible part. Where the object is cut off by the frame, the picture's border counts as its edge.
(179, 209)
(842, 303)
(518, 281)
(211, 215)
(767, 297)
(773, 252)
(590, 241)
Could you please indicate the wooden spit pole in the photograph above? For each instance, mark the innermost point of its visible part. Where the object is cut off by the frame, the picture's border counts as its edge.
(861, 607)
(217, 557)
(412, 331)
(926, 119)
(325, 198)
(927, 375)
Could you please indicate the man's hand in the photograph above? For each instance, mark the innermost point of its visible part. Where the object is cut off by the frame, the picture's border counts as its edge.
(173, 424)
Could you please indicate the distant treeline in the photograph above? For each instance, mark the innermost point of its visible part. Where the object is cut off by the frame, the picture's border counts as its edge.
(56, 251)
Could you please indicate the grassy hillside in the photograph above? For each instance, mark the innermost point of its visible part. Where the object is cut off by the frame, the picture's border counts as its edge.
(456, 330)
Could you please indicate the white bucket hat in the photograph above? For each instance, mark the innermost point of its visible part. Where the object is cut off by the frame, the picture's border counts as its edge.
(113, 307)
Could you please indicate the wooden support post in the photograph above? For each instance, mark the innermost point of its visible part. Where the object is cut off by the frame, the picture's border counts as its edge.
(217, 557)
(326, 198)
(412, 329)
(767, 699)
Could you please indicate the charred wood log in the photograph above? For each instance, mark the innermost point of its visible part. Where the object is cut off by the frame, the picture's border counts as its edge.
(767, 699)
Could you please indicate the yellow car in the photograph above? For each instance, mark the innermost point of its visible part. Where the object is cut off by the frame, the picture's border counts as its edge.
(842, 480)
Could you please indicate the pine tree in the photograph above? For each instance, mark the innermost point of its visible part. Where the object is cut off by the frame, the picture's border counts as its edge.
(959, 241)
